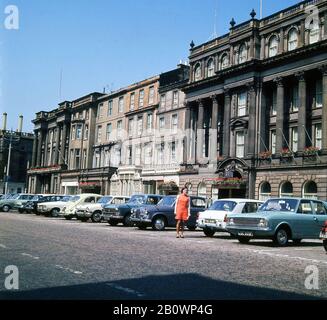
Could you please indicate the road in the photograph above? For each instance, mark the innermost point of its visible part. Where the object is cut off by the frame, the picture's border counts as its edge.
(59, 259)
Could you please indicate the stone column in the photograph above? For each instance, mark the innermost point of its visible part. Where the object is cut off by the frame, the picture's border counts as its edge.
(187, 139)
(264, 119)
(34, 152)
(39, 149)
(200, 131)
(226, 126)
(281, 41)
(302, 115)
(263, 48)
(213, 144)
(56, 155)
(63, 145)
(45, 164)
(280, 114)
(251, 138)
(324, 107)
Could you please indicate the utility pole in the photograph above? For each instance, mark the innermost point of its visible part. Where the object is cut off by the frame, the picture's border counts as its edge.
(8, 163)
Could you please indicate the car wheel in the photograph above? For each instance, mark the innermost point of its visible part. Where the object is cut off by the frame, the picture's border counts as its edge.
(159, 224)
(281, 237)
(209, 232)
(127, 221)
(191, 228)
(21, 210)
(297, 241)
(96, 217)
(325, 245)
(244, 240)
(113, 223)
(6, 208)
(54, 213)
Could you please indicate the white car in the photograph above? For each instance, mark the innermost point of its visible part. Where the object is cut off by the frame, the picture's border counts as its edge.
(214, 219)
(94, 210)
(53, 208)
(69, 211)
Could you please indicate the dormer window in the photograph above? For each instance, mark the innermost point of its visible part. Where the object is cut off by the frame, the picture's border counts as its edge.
(292, 39)
(243, 55)
(273, 46)
(210, 68)
(224, 61)
(197, 72)
(314, 32)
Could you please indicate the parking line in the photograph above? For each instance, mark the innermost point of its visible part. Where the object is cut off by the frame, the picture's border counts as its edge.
(3, 246)
(30, 256)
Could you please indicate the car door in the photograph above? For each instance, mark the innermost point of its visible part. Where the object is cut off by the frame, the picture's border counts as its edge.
(319, 217)
(303, 224)
(197, 205)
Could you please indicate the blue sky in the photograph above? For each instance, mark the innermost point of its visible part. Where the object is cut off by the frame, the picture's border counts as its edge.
(102, 43)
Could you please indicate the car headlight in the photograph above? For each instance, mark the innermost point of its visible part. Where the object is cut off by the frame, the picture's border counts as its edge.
(132, 211)
(116, 209)
(230, 221)
(87, 209)
(263, 223)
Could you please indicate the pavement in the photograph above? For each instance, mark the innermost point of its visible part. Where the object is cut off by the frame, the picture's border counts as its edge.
(59, 259)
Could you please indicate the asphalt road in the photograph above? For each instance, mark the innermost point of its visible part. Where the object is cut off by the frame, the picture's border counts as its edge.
(59, 259)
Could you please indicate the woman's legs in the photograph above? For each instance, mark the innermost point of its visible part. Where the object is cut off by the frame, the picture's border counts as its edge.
(178, 226)
(182, 228)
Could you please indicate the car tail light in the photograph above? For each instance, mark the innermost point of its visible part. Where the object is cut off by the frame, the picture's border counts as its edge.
(325, 226)
(198, 215)
(225, 219)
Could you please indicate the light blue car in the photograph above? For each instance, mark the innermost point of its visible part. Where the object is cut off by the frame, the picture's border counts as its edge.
(280, 219)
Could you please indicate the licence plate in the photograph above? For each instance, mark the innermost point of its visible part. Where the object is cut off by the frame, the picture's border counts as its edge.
(323, 235)
(245, 234)
(210, 221)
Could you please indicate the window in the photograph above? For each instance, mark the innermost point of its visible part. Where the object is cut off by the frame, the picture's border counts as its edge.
(314, 32)
(138, 155)
(121, 105)
(310, 190)
(210, 68)
(173, 152)
(108, 132)
(273, 142)
(240, 139)
(317, 103)
(148, 153)
(132, 102)
(98, 134)
(130, 126)
(294, 137)
(97, 159)
(273, 46)
(77, 158)
(305, 207)
(265, 191)
(163, 101)
(73, 132)
(274, 103)
(149, 121)
(79, 132)
(224, 61)
(318, 208)
(161, 154)
(141, 98)
(241, 104)
(100, 110)
(292, 39)
(318, 136)
(86, 132)
(140, 125)
(119, 128)
(202, 190)
(175, 98)
(151, 95)
(243, 55)
(294, 98)
(162, 123)
(110, 107)
(286, 190)
(174, 122)
(197, 72)
(130, 155)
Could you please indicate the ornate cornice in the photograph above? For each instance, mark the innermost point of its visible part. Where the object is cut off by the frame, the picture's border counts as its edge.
(279, 81)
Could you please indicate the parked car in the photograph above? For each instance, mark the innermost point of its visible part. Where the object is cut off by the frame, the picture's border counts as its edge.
(31, 206)
(280, 219)
(114, 214)
(15, 202)
(53, 208)
(214, 219)
(94, 210)
(69, 211)
(162, 215)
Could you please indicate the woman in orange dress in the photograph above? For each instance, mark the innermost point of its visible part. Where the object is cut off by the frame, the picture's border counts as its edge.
(182, 212)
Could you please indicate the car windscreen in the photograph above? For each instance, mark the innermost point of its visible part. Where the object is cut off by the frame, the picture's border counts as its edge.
(137, 199)
(74, 199)
(222, 205)
(288, 205)
(36, 198)
(104, 200)
(167, 201)
(66, 198)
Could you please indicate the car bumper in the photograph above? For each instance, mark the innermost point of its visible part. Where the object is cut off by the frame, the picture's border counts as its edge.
(107, 217)
(218, 226)
(139, 221)
(255, 231)
(84, 214)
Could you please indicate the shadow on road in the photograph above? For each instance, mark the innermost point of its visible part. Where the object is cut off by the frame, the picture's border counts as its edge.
(168, 287)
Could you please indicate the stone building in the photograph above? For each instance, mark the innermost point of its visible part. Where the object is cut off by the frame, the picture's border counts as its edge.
(257, 108)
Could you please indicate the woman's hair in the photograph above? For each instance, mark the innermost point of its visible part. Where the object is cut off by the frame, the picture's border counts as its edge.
(183, 189)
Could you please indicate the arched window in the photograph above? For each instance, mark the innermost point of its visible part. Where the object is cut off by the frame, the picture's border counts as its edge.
(243, 55)
(310, 190)
(224, 61)
(286, 189)
(273, 46)
(197, 72)
(292, 39)
(265, 191)
(210, 68)
(314, 32)
(202, 190)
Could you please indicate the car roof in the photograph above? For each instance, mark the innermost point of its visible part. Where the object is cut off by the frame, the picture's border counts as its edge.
(238, 200)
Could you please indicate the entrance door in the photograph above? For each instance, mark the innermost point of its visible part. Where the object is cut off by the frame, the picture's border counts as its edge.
(232, 193)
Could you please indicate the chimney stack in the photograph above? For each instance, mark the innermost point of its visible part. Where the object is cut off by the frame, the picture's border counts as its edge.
(20, 124)
(4, 122)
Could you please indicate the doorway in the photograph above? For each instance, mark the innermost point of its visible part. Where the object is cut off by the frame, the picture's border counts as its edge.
(232, 193)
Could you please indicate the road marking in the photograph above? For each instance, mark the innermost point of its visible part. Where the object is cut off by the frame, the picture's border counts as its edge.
(3, 246)
(30, 256)
(127, 290)
(68, 269)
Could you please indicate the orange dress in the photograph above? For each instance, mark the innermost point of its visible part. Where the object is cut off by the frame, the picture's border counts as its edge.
(182, 207)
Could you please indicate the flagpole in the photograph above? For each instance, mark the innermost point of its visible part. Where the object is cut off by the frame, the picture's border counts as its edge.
(261, 13)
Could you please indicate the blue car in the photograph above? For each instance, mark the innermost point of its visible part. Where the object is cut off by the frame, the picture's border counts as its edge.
(281, 220)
